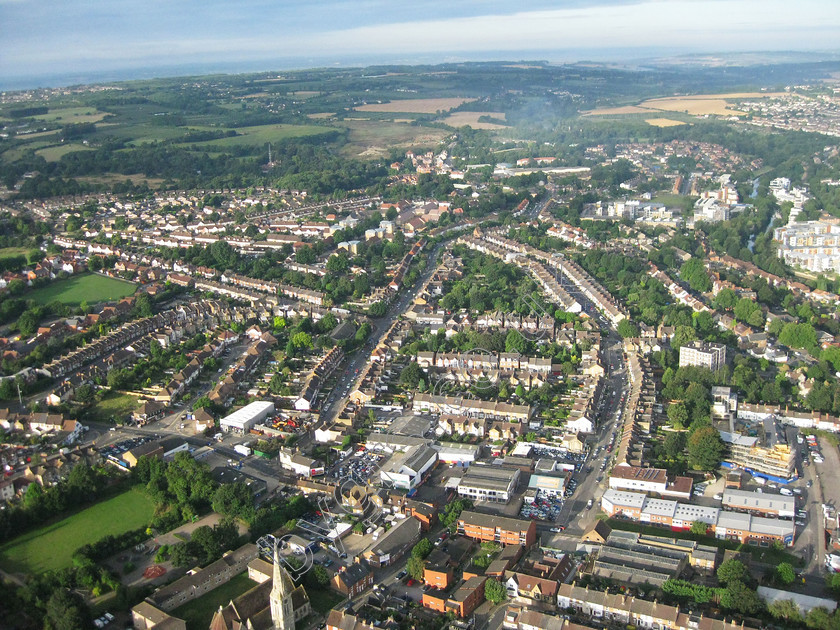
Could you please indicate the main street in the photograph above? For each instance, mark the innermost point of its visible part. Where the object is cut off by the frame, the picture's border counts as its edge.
(337, 399)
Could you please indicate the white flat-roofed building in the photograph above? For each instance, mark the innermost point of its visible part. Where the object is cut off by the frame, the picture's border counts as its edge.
(658, 511)
(406, 471)
(391, 443)
(626, 503)
(242, 420)
(457, 453)
(486, 483)
(687, 513)
(551, 485)
(767, 504)
(757, 529)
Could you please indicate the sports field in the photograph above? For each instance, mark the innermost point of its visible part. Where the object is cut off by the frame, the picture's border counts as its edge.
(87, 287)
(52, 546)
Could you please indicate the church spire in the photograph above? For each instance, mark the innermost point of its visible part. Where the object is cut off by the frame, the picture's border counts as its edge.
(282, 609)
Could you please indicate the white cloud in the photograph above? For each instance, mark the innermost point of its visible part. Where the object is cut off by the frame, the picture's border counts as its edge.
(124, 35)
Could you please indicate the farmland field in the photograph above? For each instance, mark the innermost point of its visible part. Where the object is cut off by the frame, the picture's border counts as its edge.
(73, 115)
(262, 134)
(416, 105)
(696, 104)
(663, 122)
(88, 287)
(617, 111)
(52, 546)
(198, 613)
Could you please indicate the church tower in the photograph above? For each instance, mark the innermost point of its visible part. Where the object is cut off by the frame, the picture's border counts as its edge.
(282, 610)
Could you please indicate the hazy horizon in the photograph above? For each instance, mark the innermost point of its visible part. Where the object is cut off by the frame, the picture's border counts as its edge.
(67, 42)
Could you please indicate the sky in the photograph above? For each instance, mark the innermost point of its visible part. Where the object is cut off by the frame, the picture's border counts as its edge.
(57, 41)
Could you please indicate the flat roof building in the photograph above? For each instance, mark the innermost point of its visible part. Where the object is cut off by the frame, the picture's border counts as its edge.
(767, 504)
(406, 471)
(501, 529)
(489, 483)
(243, 420)
(702, 354)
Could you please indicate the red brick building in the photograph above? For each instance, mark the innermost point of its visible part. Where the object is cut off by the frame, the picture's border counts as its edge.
(500, 529)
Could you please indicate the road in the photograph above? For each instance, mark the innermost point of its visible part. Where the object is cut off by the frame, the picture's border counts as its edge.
(337, 399)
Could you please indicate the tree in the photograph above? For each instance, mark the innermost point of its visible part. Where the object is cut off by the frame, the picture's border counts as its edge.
(422, 549)
(453, 510)
(302, 340)
(627, 329)
(33, 498)
(66, 611)
(119, 379)
(411, 375)
(305, 255)
(338, 263)
(515, 342)
(319, 576)
(699, 528)
(494, 591)
(819, 619)
(730, 571)
(678, 414)
(705, 448)
(233, 499)
(674, 445)
(143, 305)
(737, 596)
(784, 573)
(694, 273)
(726, 299)
(377, 309)
(785, 609)
(832, 582)
(683, 335)
(27, 323)
(415, 567)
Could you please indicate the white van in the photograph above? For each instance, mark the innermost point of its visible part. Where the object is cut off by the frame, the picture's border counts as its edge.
(786, 491)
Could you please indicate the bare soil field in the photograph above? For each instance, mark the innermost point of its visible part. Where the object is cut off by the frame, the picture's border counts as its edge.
(470, 119)
(416, 105)
(321, 115)
(376, 138)
(696, 104)
(693, 106)
(615, 111)
(663, 122)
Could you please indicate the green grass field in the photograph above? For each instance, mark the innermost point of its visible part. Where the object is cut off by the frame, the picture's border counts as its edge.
(52, 546)
(9, 252)
(263, 134)
(199, 613)
(73, 115)
(112, 407)
(88, 287)
(54, 154)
